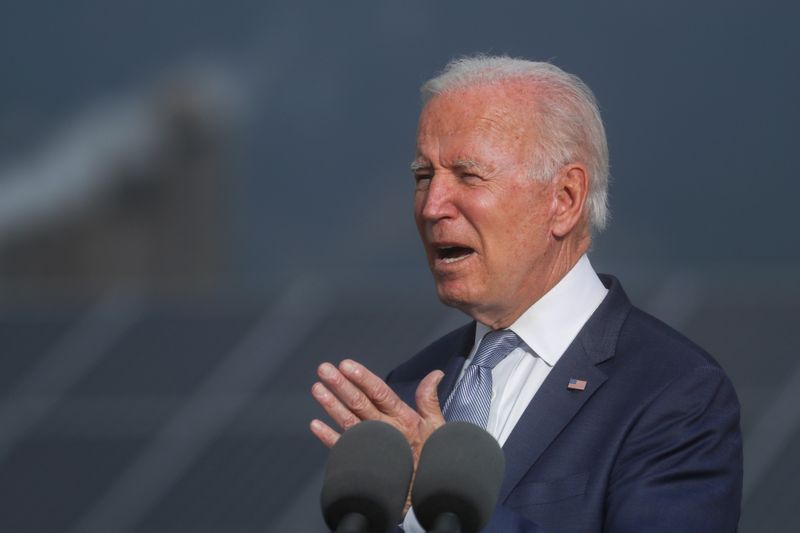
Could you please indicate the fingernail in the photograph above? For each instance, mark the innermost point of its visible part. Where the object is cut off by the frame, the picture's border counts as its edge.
(326, 370)
(347, 366)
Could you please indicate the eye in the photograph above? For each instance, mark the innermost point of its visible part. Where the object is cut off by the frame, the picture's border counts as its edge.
(423, 180)
(470, 177)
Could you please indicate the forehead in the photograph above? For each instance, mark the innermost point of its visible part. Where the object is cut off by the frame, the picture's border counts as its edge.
(470, 121)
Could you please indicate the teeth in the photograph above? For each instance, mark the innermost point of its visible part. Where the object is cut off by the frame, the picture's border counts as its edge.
(453, 253)
(455, 259)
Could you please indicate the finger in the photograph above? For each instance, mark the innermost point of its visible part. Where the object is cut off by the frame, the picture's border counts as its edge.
(348, 393)
(336, 409)
(379, 393)
(427, 397)
(323, 432)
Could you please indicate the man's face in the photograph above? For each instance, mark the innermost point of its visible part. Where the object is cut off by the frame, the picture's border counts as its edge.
(484, 221)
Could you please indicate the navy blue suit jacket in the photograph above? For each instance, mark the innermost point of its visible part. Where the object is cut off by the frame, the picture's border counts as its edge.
(652, 444)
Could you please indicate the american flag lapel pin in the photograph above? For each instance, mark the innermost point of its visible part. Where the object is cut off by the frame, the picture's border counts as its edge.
(577, 384)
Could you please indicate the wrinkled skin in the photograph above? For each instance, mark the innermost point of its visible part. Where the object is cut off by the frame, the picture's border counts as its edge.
(496, 240)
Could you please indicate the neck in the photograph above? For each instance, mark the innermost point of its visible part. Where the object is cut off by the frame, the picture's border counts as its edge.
(545, 278)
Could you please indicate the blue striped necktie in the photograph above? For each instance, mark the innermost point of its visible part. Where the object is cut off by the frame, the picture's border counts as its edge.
(471, 400)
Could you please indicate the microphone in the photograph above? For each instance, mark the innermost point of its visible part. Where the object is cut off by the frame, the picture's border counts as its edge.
(367, 479)
(458, 479)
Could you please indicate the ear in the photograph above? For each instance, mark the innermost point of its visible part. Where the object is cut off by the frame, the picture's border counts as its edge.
(571, 188)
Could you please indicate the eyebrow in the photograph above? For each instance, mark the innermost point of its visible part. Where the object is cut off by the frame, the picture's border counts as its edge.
(467, 163)
(417, 165)
(461, 163)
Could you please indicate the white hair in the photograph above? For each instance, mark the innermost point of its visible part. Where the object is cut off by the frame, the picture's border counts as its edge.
(567, 118)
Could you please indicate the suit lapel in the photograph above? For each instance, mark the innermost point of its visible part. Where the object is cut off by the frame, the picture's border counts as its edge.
(448, 358)
(553, 406)
(454, 364)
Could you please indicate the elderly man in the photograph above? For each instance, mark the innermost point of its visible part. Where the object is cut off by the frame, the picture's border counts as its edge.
(609, 420)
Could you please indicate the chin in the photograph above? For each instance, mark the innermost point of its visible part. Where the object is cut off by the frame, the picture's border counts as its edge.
(456, 297)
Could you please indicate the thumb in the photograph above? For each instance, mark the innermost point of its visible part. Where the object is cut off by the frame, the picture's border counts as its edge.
(428, 398)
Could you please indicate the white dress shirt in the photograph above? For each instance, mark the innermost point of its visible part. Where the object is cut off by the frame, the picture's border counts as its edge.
(546, 328)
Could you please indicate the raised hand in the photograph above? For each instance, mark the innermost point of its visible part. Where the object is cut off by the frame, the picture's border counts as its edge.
(351, 393)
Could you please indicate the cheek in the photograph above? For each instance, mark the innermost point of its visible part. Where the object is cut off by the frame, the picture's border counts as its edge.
(418, 216)
(521, 237)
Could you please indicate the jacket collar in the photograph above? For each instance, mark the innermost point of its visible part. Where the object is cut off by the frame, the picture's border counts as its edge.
(554, 405)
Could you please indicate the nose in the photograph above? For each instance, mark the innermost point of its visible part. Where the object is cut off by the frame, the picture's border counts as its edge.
(436, 202)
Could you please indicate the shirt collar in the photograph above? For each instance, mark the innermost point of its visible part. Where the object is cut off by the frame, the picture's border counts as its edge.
(550, 325)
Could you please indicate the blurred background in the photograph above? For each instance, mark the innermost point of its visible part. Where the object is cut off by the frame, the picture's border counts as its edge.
(201, 201)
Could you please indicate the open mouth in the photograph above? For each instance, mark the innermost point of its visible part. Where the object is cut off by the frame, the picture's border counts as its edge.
(452, 254)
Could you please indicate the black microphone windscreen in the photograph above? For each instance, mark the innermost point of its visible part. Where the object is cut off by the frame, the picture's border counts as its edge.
(369, 472)
(460, 471)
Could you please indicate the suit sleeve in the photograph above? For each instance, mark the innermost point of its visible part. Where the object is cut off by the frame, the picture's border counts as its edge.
(680, 468)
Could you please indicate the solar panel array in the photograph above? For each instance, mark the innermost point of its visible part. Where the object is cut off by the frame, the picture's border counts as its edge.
(127, 414)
